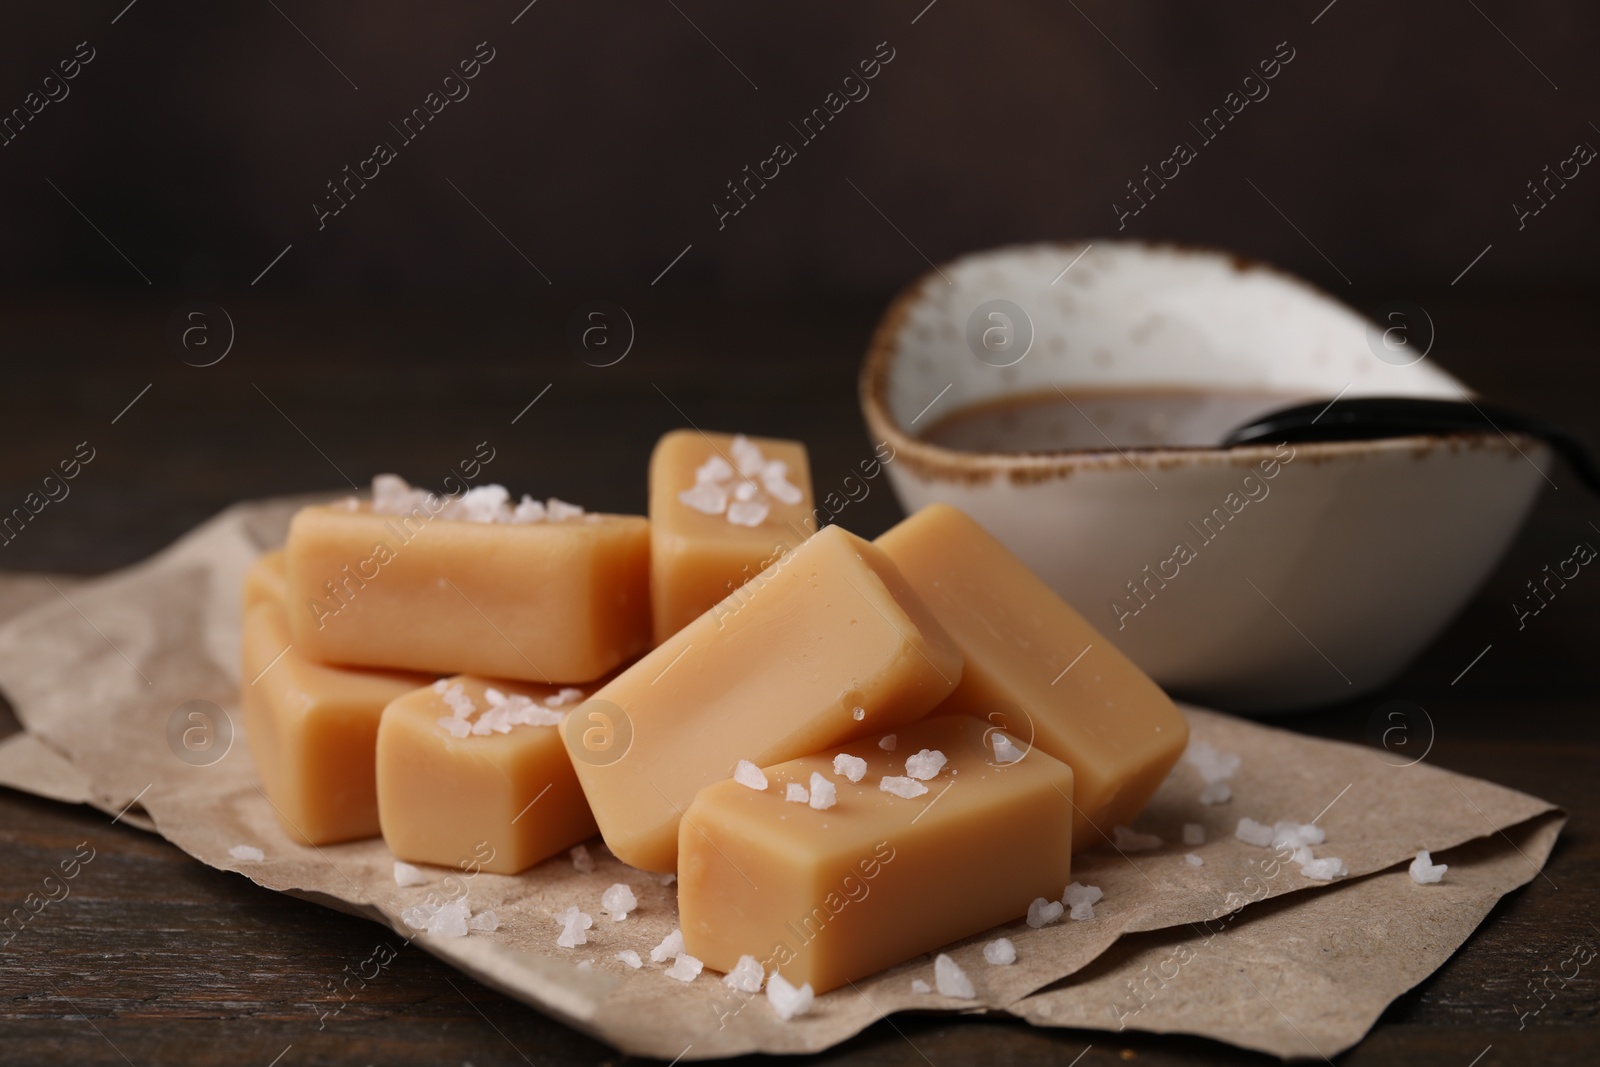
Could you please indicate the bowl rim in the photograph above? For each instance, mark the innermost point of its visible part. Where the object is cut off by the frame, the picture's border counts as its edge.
(878, 365)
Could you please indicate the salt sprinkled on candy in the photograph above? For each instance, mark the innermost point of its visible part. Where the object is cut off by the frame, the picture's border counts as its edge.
(746, 976)
(618, 901)
(748, 774)
(1043, 912)
(824, 794)
(785, 999)
(747, 514)
(706, 498)
(630, 957)
(925, 764)
(685, 968)
(715, 469)
(1216, 793)
(407, 875)
(581, 860)
(251, 854)
(528, 510)
(852, 767)
(919, 986)
(887, 742)
(950, 979)
(796, 793)
(905, 788)
(1254, 833)
(1130, 840)
(1000, 952)
(745, 492)
(1081, 899)
(671, 945)
(858, 713)
(1192, 860)
(485, 922)
(567, 696)
(1424, 871)
(557, 510)
(1194, 833)
(1005, 749)
(440, 685)
(746, 455)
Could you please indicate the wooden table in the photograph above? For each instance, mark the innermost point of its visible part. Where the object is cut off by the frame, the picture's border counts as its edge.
(155, 958)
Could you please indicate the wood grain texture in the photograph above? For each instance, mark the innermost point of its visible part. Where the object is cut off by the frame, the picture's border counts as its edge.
(153, 958)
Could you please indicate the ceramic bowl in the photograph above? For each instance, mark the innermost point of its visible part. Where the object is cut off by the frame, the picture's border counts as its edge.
(1262, 578)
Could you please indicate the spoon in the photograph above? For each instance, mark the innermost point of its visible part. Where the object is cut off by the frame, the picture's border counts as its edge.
(1366, 418)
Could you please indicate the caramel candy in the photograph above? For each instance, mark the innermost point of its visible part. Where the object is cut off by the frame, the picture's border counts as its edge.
(722, 507)
(313, 731)
(555, 601)
(825, 645)
(450, 785)
(264, 582)
(832, 895)
(1034, 666)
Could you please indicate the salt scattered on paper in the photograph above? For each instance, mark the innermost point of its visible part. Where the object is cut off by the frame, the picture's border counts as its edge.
(485, 922)
(1080, 900)
(851, 767)
(630, 957)
(824, 794)
(1424, 871)
(950, 979)
(407, 875)
(785, 999)
(746, 976)
(1000, 951)
(1213, 766)
(1193, 860)
(1289, 834)
(919, 986)
(448, 919)
(251, 854)
(581, 860)
(1194, 833)
(748, 774)
(1253, 833)
(573, 924)
(901, 786)
(1043, 912)
(618, 901)
(1216, 793)
(685, 968)
(671, 945)
(1129, 840)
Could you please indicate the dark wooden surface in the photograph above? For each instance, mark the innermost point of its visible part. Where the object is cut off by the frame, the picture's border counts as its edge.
(155, 958)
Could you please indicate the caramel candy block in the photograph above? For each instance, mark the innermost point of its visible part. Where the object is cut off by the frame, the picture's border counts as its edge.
(825, 645)
(1034, 666)
(264, 582)
(470, 762)
(722, 508)
(560, 600)
(313, 731)
(915, 854)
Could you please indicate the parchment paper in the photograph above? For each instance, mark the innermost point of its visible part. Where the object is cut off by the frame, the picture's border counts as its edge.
(95, 671)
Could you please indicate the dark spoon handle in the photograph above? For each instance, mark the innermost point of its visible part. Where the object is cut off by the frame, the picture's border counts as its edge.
(1366, 418)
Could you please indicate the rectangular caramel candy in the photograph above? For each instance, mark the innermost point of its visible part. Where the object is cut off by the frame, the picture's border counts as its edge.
(722, 507)
(450, 779)
(264, 582)
(313, 731)
(832, 895)
(554, 601)
(1099, 714)
(825, 645)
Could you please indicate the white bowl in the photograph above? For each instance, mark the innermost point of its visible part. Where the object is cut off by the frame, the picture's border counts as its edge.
(1328, 577)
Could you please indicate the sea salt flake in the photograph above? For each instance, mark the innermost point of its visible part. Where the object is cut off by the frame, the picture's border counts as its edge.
(785, 999)
(1075, 894)
(667, 879)
(1005, 749)
(747, 455)
(925, 764)
(1253, 833)
(901, 786)
(715, 469)
(796, 793)
(618, 901)
(1216, 793)
(887, 742)
(1424, 871)
(748, 774)
(746, 976)
(450, 919)
(744, 513)
(780, 488)
(1214, 766)
(247, 854)
(486, 922)
(1194, 833)
(1324, 870)
(528, 510)
(858, 713)
(1193, 860)
(1043, 912)
(1000, 952)
(556, 510)
(1289, 834)
(685, 968)
(1130, 840)
(950, 979)
(630, 957)
(671, 945)
(567, 695)
(706, 498)
(407, 875)
(919, 986)
(745, 492)
(586, 965)
(582, 862)
(824, 794)
(852, 767)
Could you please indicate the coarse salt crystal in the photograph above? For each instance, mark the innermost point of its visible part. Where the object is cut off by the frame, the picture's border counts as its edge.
(919, 986)
(796, 793)
(528, 510)
(925, 764)
(1000, 951)
(887, 742)
(824, 794)
(852, 767)
(667, 879)
(586, 965)
(685, 968)
(573, 924)
(746, 976)
(450, 918)
(1324, 870)
(715, 469)
(1005, 749)
(485, 922)
(706, 498)
(1216, 793)
(618, 901)
(1254, 833)
(747, 513)
(1289, 834)
(745, 491)
(1043, 912)
(557, 510)
(748, 774)
(1193, 860)
(1130, 840)
(671, 945)
(247, 854)
(407, 875)
(901, 786)
(1424, 871)
(440, 685)
(785, 999)
(456, 727)
(950, 979)
(858, 713)
(1194, 833)
(1214, 766)
(1080, 900)
(566, 696)
(581, 860)
(630, 957)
